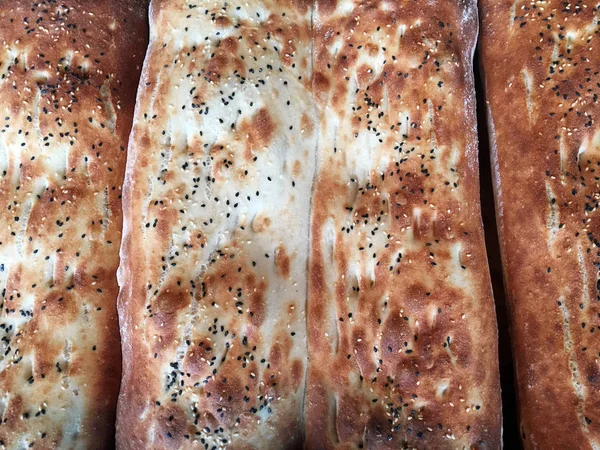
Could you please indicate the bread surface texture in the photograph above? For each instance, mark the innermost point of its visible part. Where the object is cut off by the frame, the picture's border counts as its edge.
(401, 320)
(303, 261)
(68, 77)
(542, 75)
(216, 206)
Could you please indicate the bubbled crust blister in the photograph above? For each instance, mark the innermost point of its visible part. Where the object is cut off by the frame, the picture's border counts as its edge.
(216, 212)
(402, 332)
(541, 62)
(68, 75)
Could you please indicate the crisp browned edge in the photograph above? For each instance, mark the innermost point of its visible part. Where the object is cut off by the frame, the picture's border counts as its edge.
(472, 36)
(499, 207)
(493, 155)
(130, 44)
(127, 427)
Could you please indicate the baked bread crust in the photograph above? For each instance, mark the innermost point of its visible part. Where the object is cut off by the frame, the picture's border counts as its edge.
(402, 330)
(68, 75)
(229, 233)
(541, 64)
(216, 201)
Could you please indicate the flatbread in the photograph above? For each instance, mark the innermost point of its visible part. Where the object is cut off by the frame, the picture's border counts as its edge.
(401, 318)
(68, 75)
(542, 76)
(216, 205)
(269, 147)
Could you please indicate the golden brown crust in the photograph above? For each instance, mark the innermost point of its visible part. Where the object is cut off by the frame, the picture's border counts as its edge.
(402, 333)
(234, 111)
(68, 74)
(541, 65)
(216, 202)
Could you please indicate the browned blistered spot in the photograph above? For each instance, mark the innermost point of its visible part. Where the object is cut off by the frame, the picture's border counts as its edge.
(235, 272)
(239, 67)
(197, 239)
(145, 142)
(60, 305)
(230, 44)
(326, 6)
(29, 172)
(276, 356)
(369, 205)
(302, 5)
(170, 426)
(167, 217)
(14, 280)
(297, 168)
(297, 373)
(216, 67)
(364, 75)
(257, 299)
(171, 299)
(197, 360)
(321, 85)
(306, 124)
(216, 149)
(356, 123)
(222, 161)
(282, 261)
(280, 351)
(260, 223)
(81, 277)
(461, 345)
(352, 415)
(441, 227)
(288, 49)
(414, 300)
(256, 134)
(345, 62)
(222, 21)
(227, 393)
(264, 126)
(14, 410)
(592, 373)
(406, 380)
(52, 200)
(44, 358)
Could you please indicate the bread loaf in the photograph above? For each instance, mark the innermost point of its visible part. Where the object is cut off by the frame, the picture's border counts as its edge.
(216, 208)
(68, 75)
(301, 198)
(402, 332)
(542, 76)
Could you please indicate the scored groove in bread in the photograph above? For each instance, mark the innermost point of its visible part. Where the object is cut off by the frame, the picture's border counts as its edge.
(272, 140)
(542, 73)
(66, 99)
